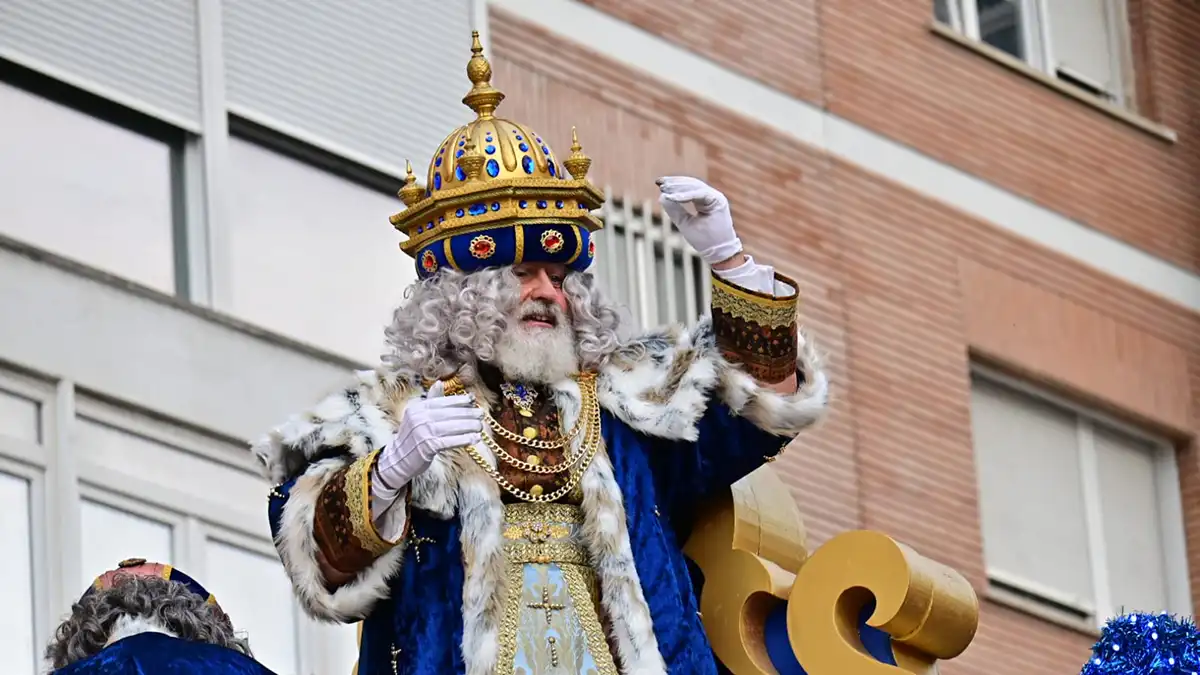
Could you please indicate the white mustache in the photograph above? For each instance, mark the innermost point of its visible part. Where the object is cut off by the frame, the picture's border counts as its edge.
(540, 311)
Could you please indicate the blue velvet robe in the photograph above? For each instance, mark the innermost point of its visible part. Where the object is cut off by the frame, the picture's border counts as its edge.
(158, 654)
(662, 483)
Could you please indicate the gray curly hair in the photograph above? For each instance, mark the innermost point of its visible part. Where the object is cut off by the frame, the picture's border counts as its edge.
(454, 319)
(168, 603)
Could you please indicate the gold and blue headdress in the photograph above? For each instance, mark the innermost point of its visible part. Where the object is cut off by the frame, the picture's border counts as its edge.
(496, 195)
(140, 567)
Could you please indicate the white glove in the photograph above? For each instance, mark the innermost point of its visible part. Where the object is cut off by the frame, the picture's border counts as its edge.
(428, 426)
(702, 215)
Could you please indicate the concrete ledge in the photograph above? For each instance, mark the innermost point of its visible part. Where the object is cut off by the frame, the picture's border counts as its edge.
(138, 346)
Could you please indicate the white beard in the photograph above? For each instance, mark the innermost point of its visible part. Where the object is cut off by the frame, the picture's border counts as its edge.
(537, 354)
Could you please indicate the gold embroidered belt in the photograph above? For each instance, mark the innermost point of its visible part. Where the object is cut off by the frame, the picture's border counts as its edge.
(543, 533)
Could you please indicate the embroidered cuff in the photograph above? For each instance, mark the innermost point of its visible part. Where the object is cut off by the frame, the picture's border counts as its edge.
(343, 525)
(757, 330)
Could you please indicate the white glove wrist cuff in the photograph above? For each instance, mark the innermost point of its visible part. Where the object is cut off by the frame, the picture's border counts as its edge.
(722, 251)
(383, 493)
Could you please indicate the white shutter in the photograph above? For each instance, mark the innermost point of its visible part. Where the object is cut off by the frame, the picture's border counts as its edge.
(380, 78)
(1081, 43)
(645, 267)
(1133, 534)
(1031, 496)
(17, 651)
(142, 52)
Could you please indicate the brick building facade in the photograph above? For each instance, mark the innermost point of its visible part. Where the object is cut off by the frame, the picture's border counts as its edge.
(907, 292)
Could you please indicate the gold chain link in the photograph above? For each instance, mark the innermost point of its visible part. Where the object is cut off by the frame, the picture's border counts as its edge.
(536, 444)
(569, 459)
(591, 444)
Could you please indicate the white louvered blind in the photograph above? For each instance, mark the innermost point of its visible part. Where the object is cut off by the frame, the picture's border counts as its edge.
(382, 79)
(644, 265)
(144, 52)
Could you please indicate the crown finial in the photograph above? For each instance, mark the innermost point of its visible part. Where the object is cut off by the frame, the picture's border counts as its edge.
(577, 163)
(411, 193)
(483, 97)
(472, 160)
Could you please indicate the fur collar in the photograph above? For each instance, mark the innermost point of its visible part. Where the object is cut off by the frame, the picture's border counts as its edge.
(128, 626)
(659, 384)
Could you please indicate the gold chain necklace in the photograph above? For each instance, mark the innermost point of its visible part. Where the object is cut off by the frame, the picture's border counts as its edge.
(537, 444)
(590, 409)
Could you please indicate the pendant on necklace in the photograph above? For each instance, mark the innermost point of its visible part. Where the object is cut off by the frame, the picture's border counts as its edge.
(523, 397)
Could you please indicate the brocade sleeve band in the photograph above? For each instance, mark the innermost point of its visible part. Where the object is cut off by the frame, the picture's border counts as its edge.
(758, 330)
(343, 526)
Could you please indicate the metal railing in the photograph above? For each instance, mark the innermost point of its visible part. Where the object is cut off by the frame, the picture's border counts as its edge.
(646, 266)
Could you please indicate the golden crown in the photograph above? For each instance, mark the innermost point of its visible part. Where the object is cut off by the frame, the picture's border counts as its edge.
(496, 194)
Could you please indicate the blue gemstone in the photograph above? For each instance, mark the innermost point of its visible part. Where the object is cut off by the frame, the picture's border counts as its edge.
(489, 136)
(477, 209)
(541, 204)
(437, 181)
(459, 213)
(545, 149)
(429, 226)
(493, 168)
(522, 203)
(527, 164)
(495, 206)
(519, 136)
(420, 229)
(438, 161)
(558, 204)
(459, 153)
(523, 147)
(459, 173)
(461, 143)
(582, 205)
(539, 140)
(441, 219)
(550, 165)
(491, 149)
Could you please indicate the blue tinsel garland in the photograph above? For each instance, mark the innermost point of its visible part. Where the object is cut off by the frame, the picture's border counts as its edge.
(1146, 644)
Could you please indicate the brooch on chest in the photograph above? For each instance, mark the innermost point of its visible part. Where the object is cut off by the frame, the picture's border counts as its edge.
(521, 396)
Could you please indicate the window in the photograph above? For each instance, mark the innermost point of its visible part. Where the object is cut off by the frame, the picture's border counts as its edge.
(17, 642)
(1081, 517)
(256, 593)
(169, 493)
(86, 189)
(110, 534)
(645, 266)
(313, 254)
(1082, 42)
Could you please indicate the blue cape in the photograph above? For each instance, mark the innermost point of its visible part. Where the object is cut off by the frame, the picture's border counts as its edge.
(158, 654)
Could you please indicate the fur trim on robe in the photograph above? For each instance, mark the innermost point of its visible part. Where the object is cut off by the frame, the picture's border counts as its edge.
(128, 626)
(659, 385)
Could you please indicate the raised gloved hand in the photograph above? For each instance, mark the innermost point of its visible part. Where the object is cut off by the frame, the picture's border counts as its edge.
(702, 215)
(428, 426)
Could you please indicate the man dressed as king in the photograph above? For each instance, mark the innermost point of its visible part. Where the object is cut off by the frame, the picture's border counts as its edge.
(510, 491)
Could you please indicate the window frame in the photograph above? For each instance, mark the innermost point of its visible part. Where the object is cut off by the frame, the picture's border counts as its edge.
(1039, 45)
(1033, 598)
(179, 141)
